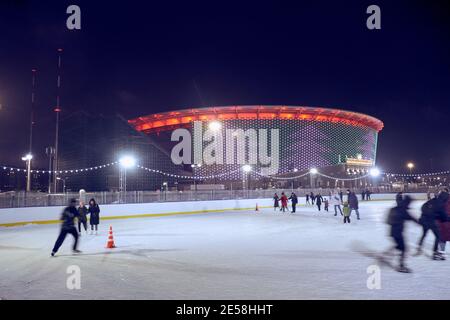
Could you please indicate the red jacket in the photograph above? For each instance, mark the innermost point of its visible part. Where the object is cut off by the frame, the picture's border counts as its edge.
(444, 227)
(284, 201)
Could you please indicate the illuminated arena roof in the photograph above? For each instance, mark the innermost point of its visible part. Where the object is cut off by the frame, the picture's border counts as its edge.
(173, 119)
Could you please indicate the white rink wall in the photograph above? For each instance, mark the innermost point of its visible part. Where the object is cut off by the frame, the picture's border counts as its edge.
(49, 214)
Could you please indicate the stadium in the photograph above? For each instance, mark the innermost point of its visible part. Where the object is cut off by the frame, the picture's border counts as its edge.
(308, 136)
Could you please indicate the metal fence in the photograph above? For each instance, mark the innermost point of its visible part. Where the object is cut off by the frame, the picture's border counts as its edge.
(35, 199)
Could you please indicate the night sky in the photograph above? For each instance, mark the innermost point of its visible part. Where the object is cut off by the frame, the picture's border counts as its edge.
(139, 57)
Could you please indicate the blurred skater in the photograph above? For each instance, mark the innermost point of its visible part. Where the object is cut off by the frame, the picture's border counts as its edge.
(335, 201)
(276, 202)
(68, 226)
(346, 214)
(325, 203)
(396, 219)
(284, 202)
(94, 211)
(353, 203)
(313, 198)
(307, 198)
(319, 201)
(294, 201)
(432, 211)
(399, 198)
(82, 217)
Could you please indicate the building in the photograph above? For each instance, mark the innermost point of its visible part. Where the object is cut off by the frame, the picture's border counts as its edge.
(308, 137)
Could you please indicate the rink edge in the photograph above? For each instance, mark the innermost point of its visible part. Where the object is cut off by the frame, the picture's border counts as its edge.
(134, 216)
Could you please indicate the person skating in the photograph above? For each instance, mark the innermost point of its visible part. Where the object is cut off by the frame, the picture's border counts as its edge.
(341, 196)
(325, 203)
(307, 199)
(319, 201)
(336, 203)
(363, 195)
(82, 217)
(294, 201)
(68, 226)
(353, 204)
(396, 219)
(368, 194)
(276, 202)
(284, 202)
(313, 198)
(94, 211)
(399, 198)
(432, 211)
(346, 214)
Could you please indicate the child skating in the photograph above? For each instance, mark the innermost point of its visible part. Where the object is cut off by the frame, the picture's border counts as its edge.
(346, 210)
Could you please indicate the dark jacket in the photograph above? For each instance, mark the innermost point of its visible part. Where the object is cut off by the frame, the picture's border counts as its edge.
(435, 209)
(276, 201)
(82, 213)
(397, 218)
(94, 211)
(319, 199)
(293, 199)
(68, 216)
(353, 201)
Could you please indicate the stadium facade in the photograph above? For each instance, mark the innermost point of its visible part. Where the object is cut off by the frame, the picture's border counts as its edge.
(309, 137)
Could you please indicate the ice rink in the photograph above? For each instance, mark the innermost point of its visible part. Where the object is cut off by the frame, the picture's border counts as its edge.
(232, 255)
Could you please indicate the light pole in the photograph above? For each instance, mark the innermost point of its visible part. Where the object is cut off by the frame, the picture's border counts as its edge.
(126, 162)
(410, 166)
(28, 159)
(312, 173)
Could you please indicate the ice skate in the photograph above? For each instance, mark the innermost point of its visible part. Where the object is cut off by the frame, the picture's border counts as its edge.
(53, 254)
(404, 269)
(76, 251)
(438, 256)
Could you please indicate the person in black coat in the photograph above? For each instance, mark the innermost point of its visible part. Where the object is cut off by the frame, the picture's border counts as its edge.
(307, 198)
(353, 203)
(432, 210)
(396, 219)
(276, 202)
(341, 196)
(82, 217)
(294, 201)
(313, 198)
(319, 201)
(94, 211)
(68, 226)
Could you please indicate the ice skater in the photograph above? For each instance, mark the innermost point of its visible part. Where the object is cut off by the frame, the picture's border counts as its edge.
(432, 211)
(319, 200)
(313, 198)
(353, 203)
(396, 219)
(294, 201)
(326, 203)
(94, 211)
(82, 217)
(307, 199)
(346, 214)
(284, 202)
(68, 226)
(336, 203)
(276, 202)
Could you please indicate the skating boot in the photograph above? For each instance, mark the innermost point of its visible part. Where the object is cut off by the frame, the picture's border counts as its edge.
(438, 256)
(404, 269)
(76, 251)
(418, 252)
(53, 254)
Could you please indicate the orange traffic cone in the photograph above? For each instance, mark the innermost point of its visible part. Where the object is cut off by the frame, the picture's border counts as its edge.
(257, 208)
(110, 244)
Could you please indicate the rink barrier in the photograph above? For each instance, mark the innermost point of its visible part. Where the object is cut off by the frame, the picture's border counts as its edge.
(149, 215)
(49, 215)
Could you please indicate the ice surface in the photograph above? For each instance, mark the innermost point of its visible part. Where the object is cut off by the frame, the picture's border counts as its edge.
(233, 255)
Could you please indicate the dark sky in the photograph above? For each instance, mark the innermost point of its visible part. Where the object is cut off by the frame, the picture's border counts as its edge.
(139, 57)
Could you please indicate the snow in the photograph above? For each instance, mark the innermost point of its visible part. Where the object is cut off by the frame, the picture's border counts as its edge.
(232, 255)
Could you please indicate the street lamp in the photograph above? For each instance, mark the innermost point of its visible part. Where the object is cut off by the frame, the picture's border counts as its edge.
(410, 166)
(28, 159)
(126, 162)
(246, 169)
(374, 172)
